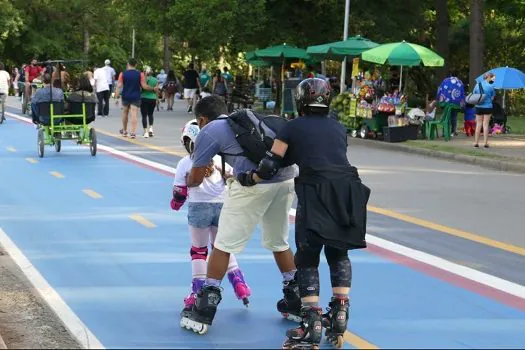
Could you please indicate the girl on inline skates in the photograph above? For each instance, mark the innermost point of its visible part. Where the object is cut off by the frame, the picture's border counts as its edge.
(204, 207)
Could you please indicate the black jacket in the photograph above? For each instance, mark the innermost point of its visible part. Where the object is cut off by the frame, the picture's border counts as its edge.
(332, 204)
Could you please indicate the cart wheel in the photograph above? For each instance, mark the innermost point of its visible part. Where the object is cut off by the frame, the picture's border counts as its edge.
(363, 132)
(40, 143)
(58, 145)
(93, 141)
(353, 133)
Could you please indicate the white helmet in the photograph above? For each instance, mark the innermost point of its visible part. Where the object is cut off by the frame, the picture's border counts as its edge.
(189, 134)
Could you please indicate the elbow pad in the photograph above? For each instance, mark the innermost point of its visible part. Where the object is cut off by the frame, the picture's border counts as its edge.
(269, 166)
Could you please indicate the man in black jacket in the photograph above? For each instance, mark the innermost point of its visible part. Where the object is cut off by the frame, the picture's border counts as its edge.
(331, 210)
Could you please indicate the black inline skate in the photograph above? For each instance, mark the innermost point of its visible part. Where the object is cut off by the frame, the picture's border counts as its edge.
(309, 333)
(290, 305)
(336, 320)
(201, 315)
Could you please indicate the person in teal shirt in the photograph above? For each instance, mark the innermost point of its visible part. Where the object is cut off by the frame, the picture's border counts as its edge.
(484, 107)
(204, 78)
(148, 103)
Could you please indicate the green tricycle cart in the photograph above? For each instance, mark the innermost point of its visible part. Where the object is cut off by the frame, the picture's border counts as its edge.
(55, 126)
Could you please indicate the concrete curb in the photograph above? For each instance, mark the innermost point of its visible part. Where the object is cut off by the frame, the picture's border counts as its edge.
(496, 164)
(2, 344)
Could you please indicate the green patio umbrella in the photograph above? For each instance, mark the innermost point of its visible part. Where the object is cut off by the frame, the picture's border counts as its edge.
(250, 56)
(340, 49)
(403, 54)
(258, 63)
(278, 54)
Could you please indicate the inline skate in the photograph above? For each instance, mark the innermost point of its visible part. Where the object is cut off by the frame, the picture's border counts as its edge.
(202, 313)
(196, 285)
(336, 320)
(290, 305)
(309, 333)
(240, 288)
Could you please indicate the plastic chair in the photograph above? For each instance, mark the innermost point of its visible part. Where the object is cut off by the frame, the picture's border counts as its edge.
(431, 127)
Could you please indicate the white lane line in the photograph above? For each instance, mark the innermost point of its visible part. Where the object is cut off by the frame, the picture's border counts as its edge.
(432, 260)
(446, 265)
(77, 328)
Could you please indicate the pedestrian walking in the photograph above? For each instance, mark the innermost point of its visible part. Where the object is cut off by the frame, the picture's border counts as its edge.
(148, 103)
(220, 85)
(129, 85)
(170, 88)
(103, 91)
(191, 85)
(110, 75)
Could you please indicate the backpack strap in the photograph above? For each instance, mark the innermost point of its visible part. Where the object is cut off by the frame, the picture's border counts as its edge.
(223, 168)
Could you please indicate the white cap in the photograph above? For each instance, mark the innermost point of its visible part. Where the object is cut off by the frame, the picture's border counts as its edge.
(107, 62)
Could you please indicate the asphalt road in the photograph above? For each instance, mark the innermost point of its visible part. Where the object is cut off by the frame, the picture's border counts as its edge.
(100, 233)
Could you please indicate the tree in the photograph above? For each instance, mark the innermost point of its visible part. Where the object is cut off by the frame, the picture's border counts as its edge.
(477, 41)
(442, 36)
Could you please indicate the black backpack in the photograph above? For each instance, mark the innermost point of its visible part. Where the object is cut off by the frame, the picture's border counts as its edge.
(255, 133)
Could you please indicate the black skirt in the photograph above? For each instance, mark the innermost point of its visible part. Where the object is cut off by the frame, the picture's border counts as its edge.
(483, 111)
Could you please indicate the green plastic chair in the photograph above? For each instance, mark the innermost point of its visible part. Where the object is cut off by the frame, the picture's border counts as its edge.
(431, 127)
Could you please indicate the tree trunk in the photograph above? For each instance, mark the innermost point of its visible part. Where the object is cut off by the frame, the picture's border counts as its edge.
(167, 53)
(86, 41)
(442, 45)
(86, 36)
(166, 38)
(477, 41)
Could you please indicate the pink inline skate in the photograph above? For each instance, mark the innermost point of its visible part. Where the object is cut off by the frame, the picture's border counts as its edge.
(196, 285)
(240, 288)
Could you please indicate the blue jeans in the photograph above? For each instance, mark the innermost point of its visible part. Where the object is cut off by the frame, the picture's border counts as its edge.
(202, 215)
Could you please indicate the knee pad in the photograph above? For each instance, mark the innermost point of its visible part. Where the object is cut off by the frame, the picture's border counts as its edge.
(305, 258)
(199, 253)
(308, 281)
(340, 267)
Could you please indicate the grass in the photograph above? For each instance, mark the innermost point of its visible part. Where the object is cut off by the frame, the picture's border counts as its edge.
(516, 123)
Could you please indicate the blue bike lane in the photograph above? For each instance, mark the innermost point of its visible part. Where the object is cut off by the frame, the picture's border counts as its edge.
(101, 232)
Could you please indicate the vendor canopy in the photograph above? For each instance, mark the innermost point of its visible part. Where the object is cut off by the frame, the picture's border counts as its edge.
(353, 46)
(403, 54)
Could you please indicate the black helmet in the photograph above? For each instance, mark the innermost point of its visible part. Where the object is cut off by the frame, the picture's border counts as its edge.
(312, 92)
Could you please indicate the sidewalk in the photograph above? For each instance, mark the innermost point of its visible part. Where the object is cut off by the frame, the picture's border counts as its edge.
(506, 152)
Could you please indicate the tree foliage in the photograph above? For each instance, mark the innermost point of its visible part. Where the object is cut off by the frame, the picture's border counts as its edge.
(173, 32)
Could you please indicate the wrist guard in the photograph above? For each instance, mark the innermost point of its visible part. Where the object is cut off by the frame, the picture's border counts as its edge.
(269, 166)
(180, 194)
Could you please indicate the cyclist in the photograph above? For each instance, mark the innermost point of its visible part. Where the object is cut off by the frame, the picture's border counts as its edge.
(31, 72)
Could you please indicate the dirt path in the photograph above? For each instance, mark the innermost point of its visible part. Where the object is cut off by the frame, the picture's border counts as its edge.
(26, 321)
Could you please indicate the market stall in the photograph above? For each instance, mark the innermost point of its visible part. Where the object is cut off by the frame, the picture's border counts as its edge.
(394, 105)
